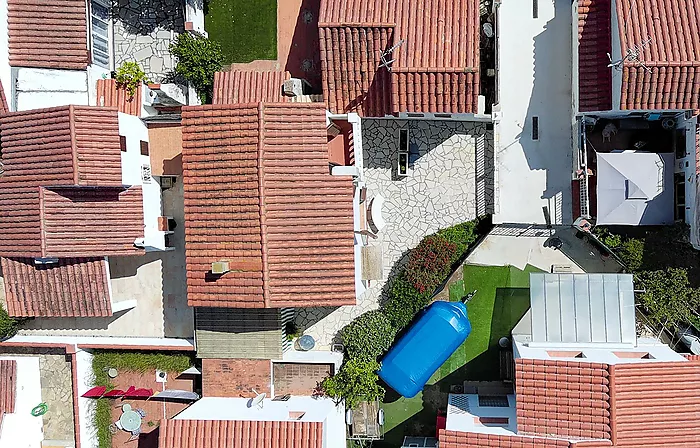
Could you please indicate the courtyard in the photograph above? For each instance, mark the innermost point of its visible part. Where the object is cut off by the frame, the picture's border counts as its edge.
(449, 181)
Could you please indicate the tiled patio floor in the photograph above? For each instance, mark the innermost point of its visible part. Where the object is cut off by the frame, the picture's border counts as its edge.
(298, 379)
(449, 182)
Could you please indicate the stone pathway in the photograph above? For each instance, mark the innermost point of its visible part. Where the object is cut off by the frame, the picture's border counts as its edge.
(57, 393)
(143, 32)
(449, 182)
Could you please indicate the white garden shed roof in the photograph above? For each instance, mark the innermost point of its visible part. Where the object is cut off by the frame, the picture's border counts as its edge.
(582, 308)
(635, 188)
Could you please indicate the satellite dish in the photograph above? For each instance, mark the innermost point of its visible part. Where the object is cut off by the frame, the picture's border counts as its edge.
(258, 400)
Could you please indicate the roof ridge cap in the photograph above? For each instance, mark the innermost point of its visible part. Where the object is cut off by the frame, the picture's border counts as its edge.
(261, 204)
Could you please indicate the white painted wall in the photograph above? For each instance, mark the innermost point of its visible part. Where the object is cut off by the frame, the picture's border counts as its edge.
(95, 72)
(136, 131)
(601, 352)
(615, 55)
(39, 88)
(184, 344)
(535, 63)
(195, 13)
(20, 429)
(86, 406)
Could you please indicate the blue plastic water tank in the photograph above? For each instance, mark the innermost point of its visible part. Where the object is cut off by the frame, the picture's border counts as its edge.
(413, 359)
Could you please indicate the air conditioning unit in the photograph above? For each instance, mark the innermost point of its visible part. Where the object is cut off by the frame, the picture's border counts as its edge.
(220, 267)
(161, 377)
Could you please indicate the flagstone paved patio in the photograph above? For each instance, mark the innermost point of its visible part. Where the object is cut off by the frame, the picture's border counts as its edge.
(450, 181)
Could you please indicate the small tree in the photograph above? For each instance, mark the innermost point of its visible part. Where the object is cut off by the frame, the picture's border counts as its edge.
(368, 336)
(668, 300)
(632, 253)
(198, 58)
(8, 325)
(130, 76)
(356, 381)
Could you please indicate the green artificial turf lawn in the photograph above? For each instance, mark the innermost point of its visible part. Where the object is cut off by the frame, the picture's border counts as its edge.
(502, 298)
(245, 29)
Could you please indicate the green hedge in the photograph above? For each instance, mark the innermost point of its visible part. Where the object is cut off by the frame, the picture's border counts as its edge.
(198, 58)
(368, 336)
(371, 334)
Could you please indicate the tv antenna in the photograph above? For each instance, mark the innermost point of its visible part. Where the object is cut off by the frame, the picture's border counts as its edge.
(258, 400)
(386, 56)
(631, 55)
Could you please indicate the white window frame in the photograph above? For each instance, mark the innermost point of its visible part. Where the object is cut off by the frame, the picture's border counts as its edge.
(109, 34)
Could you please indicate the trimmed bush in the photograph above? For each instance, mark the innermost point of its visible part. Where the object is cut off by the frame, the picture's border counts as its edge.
(462, 236)
(404, 302)
(198, 58)
(632, 253)
(356, 381)
(368, 336)
(8, 325)
(430, 263)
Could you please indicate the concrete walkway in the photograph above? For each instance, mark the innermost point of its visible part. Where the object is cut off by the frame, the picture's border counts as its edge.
(534, 60)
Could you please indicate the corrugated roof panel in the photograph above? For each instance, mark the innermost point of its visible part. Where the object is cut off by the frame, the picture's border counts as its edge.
(552, 308)
(583, 308)
(537, 313)
(597, 306)
(613, 327)
(567, 309)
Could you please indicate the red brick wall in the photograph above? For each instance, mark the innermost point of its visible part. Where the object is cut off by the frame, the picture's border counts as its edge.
(235, 377)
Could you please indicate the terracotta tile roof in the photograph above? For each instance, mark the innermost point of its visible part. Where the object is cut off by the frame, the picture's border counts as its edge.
(82, 222)
(567, 399)
(672, 54)
(239, 434)
(8, 387)
(264, 167)
(656, 405)
(435, 70)
(70, 288)
(48, 35)
(594, 35)
(635, 405)
(250, 86)
(4, 108)
(57, 147)
(455, 439)
(110, 95)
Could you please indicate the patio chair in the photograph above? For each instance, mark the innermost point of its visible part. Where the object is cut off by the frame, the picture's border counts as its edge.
(135, 435)
(376, 219)
(140, 412)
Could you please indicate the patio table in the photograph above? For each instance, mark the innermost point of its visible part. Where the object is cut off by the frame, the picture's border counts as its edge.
(130, 421)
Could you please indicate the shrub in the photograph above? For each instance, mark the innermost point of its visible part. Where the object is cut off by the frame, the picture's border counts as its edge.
(430, 263)
(462, 236)
(356, 381)
(668, 300)
(368, 336)
(404, 302)
(8, 325)
(198, 58)
(130, 76)
(631, 253)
